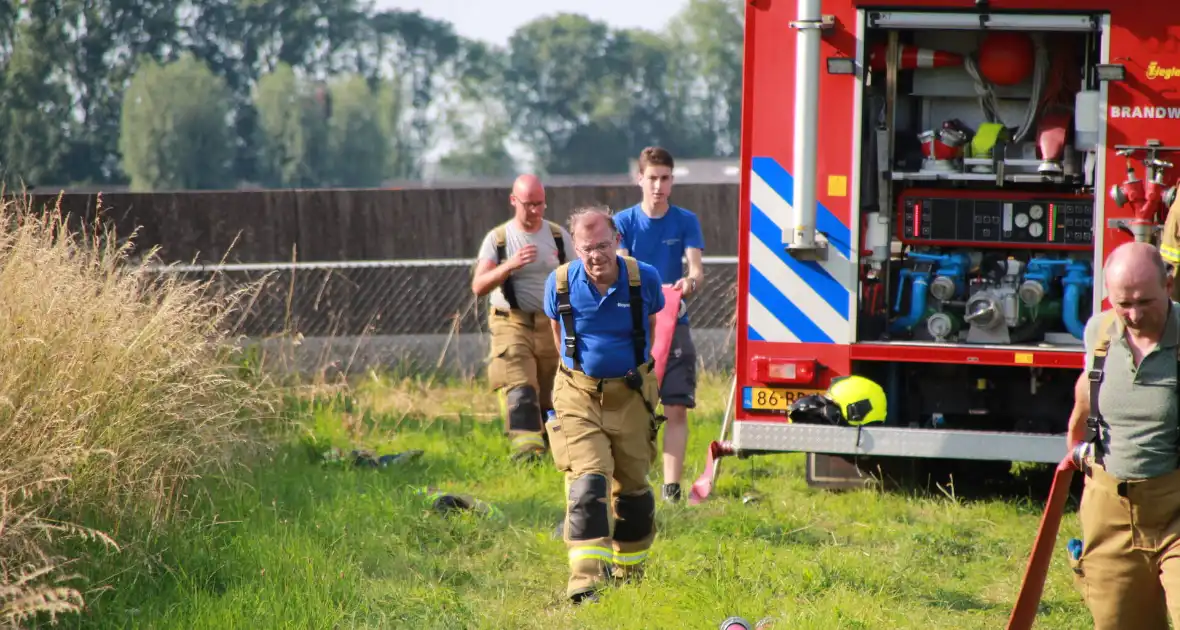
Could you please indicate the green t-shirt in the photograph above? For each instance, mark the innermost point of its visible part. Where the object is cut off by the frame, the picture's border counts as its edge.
(1138, 405)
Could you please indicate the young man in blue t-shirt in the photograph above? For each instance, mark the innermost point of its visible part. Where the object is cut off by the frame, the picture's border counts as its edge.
(663, 235)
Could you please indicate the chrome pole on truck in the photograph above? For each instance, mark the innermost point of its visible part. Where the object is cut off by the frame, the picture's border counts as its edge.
(800, 235)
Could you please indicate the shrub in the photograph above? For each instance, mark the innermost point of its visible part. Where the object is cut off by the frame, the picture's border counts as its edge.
(115, 388)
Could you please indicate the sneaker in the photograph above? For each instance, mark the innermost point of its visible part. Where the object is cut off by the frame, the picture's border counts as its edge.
(672, 492)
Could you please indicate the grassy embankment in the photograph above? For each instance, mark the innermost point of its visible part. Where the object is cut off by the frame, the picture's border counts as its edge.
(300, 544)
(109, 406)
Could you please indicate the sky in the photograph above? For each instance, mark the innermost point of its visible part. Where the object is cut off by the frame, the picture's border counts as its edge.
(494, 20)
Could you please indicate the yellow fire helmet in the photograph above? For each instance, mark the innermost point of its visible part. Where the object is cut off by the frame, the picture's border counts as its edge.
(861, 400)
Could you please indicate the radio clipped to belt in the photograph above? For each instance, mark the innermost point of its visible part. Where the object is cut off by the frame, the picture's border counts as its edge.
(634, 380)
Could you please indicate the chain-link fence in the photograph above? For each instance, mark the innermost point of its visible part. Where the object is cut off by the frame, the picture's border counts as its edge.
(401, 303)
(396, 297)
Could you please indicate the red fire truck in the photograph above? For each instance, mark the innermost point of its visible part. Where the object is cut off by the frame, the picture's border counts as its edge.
(928, 193)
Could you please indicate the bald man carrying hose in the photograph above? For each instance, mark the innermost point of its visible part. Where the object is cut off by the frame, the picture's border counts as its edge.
(514, 260)
(1125, 414)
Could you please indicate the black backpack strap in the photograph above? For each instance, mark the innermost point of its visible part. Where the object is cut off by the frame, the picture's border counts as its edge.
(566, 312)
(501, 254)
(1094, 422)
(559, 240)
(638, 334)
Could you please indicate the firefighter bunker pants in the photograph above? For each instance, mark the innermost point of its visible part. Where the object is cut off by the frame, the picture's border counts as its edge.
(522, 365)
(604, 441)
(1129, 566)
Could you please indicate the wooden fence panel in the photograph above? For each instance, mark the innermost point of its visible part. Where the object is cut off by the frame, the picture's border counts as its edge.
(335, 224)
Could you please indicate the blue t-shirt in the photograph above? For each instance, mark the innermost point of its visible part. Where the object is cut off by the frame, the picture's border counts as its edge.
(661, 242)
(602, 324)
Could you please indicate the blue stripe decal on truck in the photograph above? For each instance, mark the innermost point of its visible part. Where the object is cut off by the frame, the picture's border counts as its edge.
(808, 271)
(792, 300)
(785, 310)
(782, 183)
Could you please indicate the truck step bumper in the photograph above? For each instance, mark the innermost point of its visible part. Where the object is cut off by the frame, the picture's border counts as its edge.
(899, 442)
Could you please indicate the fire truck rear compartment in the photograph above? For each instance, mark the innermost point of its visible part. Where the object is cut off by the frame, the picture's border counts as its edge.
(977, 176)
(973, 397)
(977, 233)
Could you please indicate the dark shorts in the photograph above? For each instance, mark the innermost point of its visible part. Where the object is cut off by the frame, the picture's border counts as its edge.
(680, 375)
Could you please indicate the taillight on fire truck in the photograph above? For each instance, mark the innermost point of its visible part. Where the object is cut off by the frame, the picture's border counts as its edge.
(795, 371)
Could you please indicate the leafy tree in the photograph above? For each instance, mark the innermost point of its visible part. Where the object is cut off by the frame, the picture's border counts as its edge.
(582, 96)
(34, 105)
(424, 54)
(586, 98)
(358, 148)
(292, 129)
(483, 152)
(104, 39)
(561, 76)
(391, 108)
(477, 121)
(175, 132)
(706, 48)
(660, 103)
(241, 40)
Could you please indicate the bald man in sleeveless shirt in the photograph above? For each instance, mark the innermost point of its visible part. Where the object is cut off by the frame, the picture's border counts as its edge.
(1125, 411)
(514, 261)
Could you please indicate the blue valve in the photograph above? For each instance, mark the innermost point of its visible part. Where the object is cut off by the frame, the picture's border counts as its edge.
(1038, 275)
(953, 266)
(1044, 270)
(1077, 279)
(1078, 272)
(920, 282)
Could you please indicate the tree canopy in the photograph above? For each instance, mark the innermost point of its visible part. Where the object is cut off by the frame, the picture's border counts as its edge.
(207, 94)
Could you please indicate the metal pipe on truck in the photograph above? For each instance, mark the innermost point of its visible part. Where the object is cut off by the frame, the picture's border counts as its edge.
(801, 235)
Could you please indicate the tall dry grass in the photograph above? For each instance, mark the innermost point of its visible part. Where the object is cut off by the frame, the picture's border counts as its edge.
(116, 386)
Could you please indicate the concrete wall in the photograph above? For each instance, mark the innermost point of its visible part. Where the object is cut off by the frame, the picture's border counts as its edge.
(462, 355)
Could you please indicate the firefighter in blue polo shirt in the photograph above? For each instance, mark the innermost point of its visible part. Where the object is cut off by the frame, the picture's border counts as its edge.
(603, 432)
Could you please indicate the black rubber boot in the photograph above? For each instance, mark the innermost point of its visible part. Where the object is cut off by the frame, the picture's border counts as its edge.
(585, 597)
(529, 456)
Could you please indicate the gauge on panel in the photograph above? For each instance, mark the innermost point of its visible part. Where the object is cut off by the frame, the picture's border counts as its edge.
(1022, 220)
(1035, 230)
(1036, 212)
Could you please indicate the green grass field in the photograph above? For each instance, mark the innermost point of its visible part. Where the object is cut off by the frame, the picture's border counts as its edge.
(291, 542)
